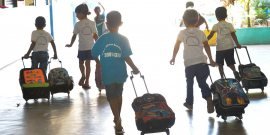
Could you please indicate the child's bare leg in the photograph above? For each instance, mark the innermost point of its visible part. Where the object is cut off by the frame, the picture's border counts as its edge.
(88, 70)
(81, 65)
(236, 74)
(221, 70)
(232, 68)
(119, 103)
(114, 107)
(210, 106)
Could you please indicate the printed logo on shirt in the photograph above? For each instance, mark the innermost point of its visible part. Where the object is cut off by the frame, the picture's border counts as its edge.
(86, 30)
(193, 41)
(225, 31)
(41, 41)
(112, 54)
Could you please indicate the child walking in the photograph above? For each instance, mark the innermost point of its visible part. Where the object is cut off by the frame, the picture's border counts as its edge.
(40, 41)
(114, 50)
(225, 42)
(87, 34)
(100, 20)
(194, 58)
(201, 19)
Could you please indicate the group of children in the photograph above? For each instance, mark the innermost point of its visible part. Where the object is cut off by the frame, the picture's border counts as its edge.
(114, 52)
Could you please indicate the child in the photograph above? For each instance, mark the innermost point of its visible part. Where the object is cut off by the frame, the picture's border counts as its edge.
(40, 40)
(100, 20)
(200, 21)
(114, 50)
(225, 45)
(87, 33)
(194, 58)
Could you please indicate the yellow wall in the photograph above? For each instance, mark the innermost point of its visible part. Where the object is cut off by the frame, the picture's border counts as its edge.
(27, 2)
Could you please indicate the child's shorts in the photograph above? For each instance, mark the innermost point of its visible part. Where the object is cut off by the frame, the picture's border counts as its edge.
(114, 90)
(227, 55)
(85, 55)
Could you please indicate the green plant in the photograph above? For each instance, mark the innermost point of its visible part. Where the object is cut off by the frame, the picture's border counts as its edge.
(261, 14)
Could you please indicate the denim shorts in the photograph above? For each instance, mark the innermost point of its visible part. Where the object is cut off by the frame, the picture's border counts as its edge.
(227, 55)
(85, 55)
(40, 60)
(114, 90)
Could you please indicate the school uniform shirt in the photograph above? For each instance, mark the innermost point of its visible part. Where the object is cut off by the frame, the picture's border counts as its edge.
(101, 25)
(42, 40)
(85, 28)
(224, 38)
(112, 49)
(193, 39)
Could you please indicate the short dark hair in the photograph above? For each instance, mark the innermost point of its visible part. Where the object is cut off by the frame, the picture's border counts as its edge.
(221, 12)
(114, 19)
(40, 22)
(82, 8)
(189, 4)
(191, 16)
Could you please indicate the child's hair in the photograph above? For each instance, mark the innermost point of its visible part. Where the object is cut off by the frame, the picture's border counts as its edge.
(82, 8)
(114, 19)
(97, 11)
(191, 16)
(189, 4)
(221, 13)
(40, 22)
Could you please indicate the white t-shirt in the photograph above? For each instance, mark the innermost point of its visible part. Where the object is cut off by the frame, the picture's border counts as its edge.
(42, 40)
(224, 38)
(85, 28)
(193, 39)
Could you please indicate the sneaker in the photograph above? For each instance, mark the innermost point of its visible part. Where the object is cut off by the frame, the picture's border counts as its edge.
(236, 76)
(190, 107)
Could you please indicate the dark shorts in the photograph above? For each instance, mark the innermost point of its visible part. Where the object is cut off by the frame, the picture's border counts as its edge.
(227, 55)
(85, 55)
(40, 60)
(114, 90)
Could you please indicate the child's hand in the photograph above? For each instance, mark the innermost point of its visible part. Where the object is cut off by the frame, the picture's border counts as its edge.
(213, 64)
(67, 45)
(26, 56)
(172, 61)
(136, 71)
(238, 46)
(55, 56)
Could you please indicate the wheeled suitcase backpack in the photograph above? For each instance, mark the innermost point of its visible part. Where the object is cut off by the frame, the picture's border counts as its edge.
(251, 75)
(59, 80)
(34, 83)
(229, 97)
(152, 114)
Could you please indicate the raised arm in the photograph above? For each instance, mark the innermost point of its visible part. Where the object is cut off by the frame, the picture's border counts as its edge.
(101, 6)
(206, 25)
(208, 52)
(72, 40)
(235, 40)
(33, 44)
(175, 51)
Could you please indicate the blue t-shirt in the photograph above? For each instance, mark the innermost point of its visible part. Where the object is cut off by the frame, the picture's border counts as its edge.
(112, 49)
(100, 25)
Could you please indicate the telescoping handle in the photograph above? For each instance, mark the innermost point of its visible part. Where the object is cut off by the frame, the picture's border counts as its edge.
(210, 75)
(131, 78)
(51, 60)
(23, 61)
(238, 55)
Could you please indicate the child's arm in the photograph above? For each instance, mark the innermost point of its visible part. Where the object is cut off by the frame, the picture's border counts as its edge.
(206, 25)
(102, 7)
(207, 50)
(175, 51)
(95, 36)
(72, 40)
(131, 64)
(210, 35)
(235, 40)
(33, 44)
(54, 50)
